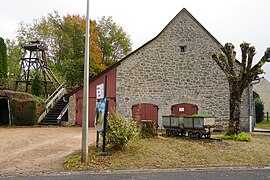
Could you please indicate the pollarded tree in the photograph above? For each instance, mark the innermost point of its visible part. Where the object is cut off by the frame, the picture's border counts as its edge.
(239, 76)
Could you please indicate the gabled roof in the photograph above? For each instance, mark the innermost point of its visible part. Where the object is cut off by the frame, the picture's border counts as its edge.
(184, 10)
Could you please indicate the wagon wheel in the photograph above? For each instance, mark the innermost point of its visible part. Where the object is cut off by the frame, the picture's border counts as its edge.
(168, 132)
(198, 135)
(183, 133)
(190, 134)
(174, 132)
(207, 136)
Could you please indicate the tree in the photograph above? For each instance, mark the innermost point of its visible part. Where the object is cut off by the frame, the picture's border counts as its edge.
(14, 55)
(71, 43)
(3, 61)
(64, 37)
(259, 110)
(113, 41)
(239, 76)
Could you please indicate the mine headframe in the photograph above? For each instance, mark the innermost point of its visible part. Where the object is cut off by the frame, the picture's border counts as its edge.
(34, 62)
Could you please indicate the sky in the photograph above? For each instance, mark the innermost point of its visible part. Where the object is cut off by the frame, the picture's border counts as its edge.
(232, 21)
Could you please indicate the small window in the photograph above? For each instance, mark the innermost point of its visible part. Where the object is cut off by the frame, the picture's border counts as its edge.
(182, 49)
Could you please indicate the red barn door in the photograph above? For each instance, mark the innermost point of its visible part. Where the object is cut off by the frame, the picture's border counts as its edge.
(145, 112)
(184, 108)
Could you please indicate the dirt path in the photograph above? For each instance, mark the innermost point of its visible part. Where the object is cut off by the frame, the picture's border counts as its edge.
(27, 150)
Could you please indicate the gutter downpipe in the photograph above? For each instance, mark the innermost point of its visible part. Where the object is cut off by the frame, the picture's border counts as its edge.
(255, 81)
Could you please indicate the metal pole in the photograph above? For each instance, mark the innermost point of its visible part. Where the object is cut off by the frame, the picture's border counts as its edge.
(105, 114)
(249, 108)
(84, 155)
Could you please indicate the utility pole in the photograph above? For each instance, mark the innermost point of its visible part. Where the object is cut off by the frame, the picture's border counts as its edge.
(84, 155)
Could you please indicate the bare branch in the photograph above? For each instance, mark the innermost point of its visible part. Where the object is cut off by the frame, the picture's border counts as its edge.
(230, 53)
(244, 48)
(251, 54)
(222, 63)
(267, 55)
(257, 69)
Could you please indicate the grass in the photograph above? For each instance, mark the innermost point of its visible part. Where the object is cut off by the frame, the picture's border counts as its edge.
(238, 137)
(264, 124)
(168, 152)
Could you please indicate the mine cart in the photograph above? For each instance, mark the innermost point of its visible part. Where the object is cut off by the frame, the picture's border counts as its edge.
(194, 126)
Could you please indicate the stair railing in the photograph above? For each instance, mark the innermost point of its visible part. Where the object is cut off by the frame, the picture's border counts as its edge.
(62, 114)
(52, 100)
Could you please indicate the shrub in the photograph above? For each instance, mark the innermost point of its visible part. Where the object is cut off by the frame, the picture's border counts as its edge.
(119, 131)
(37, 85)
(259, 108)
(148, 129)
(238, 137)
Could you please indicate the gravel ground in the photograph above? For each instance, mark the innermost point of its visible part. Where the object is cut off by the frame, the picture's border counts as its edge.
(33, 150)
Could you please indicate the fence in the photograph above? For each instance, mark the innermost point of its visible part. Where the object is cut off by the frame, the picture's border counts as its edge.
(266, 116)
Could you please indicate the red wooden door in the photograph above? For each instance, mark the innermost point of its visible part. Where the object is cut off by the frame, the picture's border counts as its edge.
(145, 112)
(184, 108)
(79, 108)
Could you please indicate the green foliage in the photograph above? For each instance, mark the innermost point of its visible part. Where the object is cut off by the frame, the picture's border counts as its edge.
(37, 85)
(24, 113)
(119, 131)
(64, 37)
(148, 129)
(114, 42)
(259, 110)
(237, 137)
(3, 61)
(14, 55)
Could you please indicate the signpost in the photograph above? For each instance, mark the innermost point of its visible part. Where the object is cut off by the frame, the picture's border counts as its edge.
(101, 113)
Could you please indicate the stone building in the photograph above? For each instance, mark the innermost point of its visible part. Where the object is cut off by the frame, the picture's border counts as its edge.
(263, 89)
(171, 74)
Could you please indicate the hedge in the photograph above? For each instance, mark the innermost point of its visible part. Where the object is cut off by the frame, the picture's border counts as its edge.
(24, 113)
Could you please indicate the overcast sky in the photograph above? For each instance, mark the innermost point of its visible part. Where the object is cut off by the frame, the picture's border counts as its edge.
(228, 20)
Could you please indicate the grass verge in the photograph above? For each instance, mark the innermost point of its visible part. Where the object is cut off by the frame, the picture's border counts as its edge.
(168, 152)
(264, 124)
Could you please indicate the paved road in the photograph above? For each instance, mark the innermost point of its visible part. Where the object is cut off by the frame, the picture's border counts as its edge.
(173, 174)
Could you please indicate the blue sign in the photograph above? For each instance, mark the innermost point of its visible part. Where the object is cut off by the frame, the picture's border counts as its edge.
(99, 116)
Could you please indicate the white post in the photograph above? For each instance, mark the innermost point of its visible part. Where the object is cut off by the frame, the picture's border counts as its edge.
(84, 155)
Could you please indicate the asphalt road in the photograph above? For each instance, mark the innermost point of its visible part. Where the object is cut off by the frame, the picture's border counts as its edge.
(174, 174)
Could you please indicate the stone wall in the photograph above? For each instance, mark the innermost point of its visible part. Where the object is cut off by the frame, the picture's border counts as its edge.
(159, 73)
(72, 110)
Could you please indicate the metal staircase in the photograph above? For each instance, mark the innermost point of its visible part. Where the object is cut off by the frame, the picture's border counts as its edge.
(52, 117)
(55, 108)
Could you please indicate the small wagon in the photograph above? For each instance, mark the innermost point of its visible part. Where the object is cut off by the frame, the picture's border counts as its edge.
(194, 126)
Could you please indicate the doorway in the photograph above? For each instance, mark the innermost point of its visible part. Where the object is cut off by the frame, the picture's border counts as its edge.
(145, 111)
(184, 109)
(4, 111)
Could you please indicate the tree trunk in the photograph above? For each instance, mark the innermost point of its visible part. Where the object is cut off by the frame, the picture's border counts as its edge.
(235, 109)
